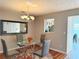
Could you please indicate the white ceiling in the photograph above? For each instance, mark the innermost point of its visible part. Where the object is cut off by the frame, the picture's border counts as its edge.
(39, 7)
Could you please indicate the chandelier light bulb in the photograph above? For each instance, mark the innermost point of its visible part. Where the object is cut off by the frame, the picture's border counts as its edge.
(23, 17)
(27, 17)
(32, 17)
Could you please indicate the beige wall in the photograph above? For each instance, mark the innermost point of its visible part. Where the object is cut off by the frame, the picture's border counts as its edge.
(59, 36)
(13, 15)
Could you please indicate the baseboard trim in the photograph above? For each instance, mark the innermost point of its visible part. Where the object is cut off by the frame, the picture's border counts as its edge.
(58, 50)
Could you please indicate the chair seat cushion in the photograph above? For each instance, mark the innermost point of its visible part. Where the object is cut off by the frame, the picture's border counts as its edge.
(38, 53)
(13, 52)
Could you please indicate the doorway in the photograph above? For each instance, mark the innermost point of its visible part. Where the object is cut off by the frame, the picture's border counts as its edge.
(73, 37)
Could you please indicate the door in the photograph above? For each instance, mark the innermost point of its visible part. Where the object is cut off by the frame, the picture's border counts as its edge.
(73, 37)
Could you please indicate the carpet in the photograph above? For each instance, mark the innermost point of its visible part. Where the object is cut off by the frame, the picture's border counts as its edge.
(35, 57)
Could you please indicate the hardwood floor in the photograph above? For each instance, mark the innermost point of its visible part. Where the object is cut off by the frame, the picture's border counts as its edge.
(1, 56)
(55, 54)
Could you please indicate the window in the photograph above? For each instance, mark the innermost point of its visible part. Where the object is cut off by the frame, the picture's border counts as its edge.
(48, 25)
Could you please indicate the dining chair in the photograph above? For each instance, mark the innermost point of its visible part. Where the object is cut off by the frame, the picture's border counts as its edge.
(40, 43)
(42, 37)
(44, 50)
(8, 54)
(19, 38)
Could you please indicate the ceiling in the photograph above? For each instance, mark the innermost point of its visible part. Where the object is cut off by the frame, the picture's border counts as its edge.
(39, 7)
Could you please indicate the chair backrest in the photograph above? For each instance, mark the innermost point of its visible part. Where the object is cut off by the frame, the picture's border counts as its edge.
(5, 51)
(19, 37)
(46, 46)
(42, 38)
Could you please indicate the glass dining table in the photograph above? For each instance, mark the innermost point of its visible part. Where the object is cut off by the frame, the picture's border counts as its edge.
(25, 50)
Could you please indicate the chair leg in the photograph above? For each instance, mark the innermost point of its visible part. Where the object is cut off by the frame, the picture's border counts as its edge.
(6, 57)
(33, 56)
(39, 57)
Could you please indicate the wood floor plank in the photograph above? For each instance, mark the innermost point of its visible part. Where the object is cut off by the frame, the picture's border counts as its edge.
(55, 54)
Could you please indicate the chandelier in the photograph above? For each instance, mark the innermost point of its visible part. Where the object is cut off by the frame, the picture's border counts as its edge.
(26, 16)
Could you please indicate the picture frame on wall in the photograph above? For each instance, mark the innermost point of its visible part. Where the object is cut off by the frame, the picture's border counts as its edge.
(49, 25)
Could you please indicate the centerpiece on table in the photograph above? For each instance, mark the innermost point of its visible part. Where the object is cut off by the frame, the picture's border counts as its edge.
(30, 39)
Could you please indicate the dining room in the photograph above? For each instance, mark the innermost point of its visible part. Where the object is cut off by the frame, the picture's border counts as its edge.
(36, 29)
